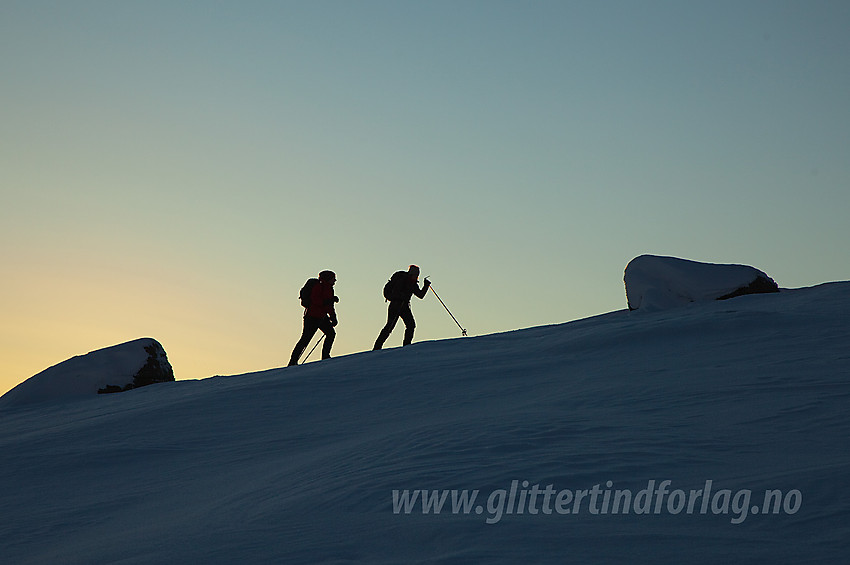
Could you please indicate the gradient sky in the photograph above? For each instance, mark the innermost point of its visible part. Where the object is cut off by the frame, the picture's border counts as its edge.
(176, 170)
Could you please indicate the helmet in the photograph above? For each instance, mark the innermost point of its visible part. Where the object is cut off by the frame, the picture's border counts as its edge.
(327, 276)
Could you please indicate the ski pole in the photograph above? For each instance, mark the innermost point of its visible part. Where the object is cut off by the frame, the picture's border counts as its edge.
(314, 348)
(462, 331)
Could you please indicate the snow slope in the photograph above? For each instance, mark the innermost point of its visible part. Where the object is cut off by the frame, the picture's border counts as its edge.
(299, 465)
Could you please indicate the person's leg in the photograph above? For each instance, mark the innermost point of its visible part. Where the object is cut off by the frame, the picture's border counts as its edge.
(310, 327)
(330, 335)
(392, 318)
(409, 324)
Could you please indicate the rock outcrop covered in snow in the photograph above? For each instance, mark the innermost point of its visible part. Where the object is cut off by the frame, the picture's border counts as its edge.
(657, 283)
(114, 369)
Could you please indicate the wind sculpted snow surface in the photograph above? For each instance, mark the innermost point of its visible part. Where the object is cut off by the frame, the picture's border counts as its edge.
(310, 464)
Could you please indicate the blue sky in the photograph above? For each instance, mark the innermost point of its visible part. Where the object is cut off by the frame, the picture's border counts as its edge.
(178, 169)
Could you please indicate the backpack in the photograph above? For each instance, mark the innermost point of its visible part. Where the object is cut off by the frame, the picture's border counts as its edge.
(306, 292)
(395, 286)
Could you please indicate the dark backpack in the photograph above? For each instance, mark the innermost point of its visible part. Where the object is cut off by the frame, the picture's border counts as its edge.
(306, 292)
(395, 286)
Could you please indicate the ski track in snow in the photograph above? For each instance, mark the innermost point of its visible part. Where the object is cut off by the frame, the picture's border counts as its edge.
(298, 465)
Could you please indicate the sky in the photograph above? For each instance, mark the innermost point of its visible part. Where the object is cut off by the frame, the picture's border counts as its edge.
(177, 169)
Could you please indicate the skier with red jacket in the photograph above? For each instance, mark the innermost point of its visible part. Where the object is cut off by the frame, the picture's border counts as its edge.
(318, 300)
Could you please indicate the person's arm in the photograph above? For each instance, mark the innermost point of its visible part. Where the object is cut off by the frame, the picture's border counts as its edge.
(423, 291)
(329, 300)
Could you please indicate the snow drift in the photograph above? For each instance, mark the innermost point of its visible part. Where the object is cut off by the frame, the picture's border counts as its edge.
(657, 283)
(118, 368)
(319, 463)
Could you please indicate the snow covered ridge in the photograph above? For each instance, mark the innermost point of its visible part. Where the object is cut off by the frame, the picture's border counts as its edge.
(657, 283)
(113, 369)
(299, 465)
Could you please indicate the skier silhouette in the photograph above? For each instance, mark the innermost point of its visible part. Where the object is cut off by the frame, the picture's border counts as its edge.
(319, 314)
(398, 291)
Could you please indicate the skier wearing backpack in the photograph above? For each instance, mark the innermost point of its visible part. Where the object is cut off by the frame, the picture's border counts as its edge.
(398, 291)
(317, 298)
